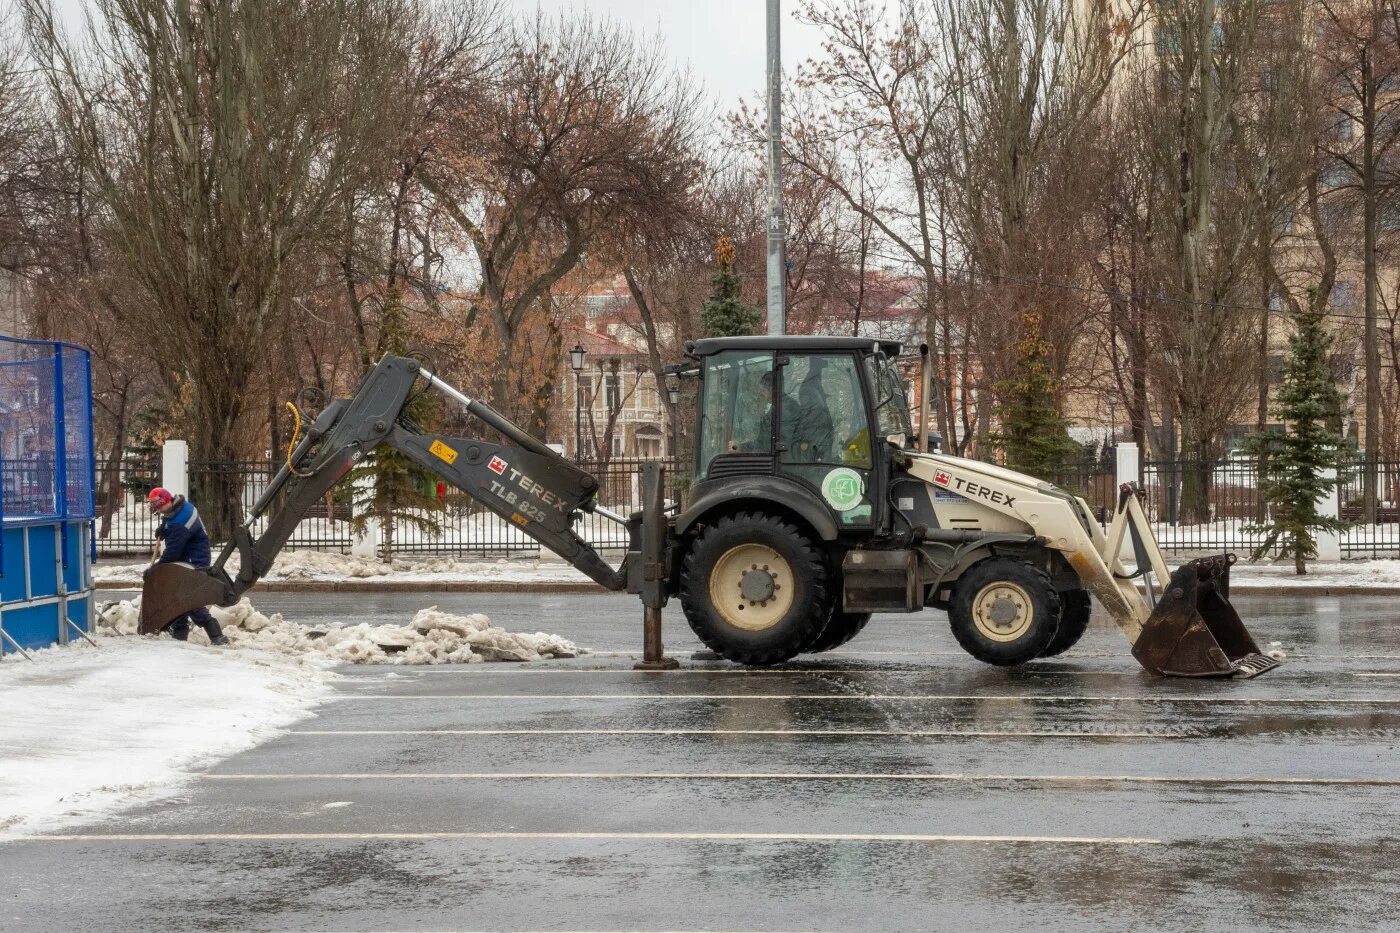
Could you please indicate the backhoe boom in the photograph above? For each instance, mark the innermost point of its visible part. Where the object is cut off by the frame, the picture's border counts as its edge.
(528, 485)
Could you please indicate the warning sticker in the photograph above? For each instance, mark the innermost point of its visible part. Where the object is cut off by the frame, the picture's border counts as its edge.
(442, 452)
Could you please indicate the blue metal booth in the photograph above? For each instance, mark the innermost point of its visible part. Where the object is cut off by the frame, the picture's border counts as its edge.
(46, 493)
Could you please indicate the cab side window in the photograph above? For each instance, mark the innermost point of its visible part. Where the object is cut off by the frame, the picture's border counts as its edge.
(737, 410)
(823, 415)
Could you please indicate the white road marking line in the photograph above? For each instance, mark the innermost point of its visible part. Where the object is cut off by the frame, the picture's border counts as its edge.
(638, 836)
(951, 777)
(951, 733)
(755, 672)
(853, 698)
(1375, 674)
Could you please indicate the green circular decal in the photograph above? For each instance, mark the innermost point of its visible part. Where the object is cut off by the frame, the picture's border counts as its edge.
(842, 488)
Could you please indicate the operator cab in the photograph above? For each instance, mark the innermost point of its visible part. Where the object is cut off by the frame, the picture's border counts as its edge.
(821, 412)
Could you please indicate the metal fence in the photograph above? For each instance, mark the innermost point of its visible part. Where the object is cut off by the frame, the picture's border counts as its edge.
(460, 528)
(1381, 538)
(1196, 506)
(1201, 506)
(123, 524)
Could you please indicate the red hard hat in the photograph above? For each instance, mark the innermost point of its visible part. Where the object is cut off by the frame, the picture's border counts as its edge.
(159, 498)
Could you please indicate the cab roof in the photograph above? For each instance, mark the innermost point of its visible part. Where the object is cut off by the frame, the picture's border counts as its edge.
(805, 344)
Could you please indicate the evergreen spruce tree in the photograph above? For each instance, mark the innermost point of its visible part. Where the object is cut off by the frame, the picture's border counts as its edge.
(1299, 459)
(402, 493)
(724, 313)
(1033, 433)
(141, 458)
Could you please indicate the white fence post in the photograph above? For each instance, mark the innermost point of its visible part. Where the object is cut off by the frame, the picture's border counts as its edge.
(365, 544)
(1329, 543)
(1127, 471)
(175, 467)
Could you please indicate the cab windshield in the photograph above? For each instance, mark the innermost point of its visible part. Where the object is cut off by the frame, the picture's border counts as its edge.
(891, 404)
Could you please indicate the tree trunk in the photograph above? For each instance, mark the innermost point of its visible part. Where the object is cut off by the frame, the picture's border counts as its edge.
(1370, 339)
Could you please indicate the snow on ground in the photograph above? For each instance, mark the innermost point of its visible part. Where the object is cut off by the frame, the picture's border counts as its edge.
(329, 566)
(433, 637)
(87, 730)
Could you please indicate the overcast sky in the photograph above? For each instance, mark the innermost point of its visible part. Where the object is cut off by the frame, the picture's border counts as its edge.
(723, 41)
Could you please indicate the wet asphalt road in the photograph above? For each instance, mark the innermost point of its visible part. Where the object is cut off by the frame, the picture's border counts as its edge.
(895, 784)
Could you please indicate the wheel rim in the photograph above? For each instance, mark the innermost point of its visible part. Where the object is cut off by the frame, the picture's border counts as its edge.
(752, 587)
(1002, 611)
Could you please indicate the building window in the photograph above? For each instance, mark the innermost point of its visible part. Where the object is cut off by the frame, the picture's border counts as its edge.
(1343, 294)
(612, 386)
(617, 444)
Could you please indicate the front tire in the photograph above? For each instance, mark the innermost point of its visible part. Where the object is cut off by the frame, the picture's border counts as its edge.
(1075, 608)
(1004, 612)
(842, 627)
(755, 589)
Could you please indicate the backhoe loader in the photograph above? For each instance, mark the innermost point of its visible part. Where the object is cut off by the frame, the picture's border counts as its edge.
(808, 512)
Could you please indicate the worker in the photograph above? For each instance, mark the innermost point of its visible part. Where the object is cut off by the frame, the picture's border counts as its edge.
(186, 542)
(753, 422)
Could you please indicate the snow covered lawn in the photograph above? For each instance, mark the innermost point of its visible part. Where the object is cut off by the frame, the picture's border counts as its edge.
(85, 730)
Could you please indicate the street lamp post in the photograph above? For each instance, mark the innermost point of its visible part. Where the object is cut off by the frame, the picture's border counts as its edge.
(576, 359)
(673, 394)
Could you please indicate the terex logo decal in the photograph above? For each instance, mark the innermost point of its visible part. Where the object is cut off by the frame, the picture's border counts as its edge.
(971, 490)
(497, 466)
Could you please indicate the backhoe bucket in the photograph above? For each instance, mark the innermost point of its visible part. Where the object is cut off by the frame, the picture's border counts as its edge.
(1195, 632)
(168, 591)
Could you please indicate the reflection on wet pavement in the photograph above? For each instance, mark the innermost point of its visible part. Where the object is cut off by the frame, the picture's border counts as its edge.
(892, 785)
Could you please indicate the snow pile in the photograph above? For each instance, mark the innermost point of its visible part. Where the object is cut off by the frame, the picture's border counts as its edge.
(433, 637)
(88, 730)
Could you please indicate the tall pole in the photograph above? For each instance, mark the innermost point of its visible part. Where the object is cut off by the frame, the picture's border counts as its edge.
(777, 250)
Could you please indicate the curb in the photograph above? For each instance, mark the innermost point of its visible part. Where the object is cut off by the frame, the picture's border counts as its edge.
(562, 586)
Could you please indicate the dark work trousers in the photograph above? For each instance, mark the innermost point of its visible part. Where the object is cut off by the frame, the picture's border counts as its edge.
(180, 628)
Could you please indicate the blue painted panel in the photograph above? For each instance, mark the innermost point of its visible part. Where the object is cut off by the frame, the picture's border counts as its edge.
(33, 626)
(73, 573)
(43, 549)
(12, 581)
(77, 611)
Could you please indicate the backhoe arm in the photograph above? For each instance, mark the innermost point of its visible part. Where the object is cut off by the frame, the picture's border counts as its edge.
(528, 485)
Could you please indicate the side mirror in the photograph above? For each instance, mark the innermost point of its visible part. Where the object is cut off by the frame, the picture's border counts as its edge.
(898, 441)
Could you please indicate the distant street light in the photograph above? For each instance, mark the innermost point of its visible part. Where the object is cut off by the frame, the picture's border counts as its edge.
(576, 359)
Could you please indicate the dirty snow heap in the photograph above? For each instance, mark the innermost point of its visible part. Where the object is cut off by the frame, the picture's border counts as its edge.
(433, 637)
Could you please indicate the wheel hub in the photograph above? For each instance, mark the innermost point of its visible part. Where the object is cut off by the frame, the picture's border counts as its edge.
(757, 584)
(752, 586)
(1002, 611)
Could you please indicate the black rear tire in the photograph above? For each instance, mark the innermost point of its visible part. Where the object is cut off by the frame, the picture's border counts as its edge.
(749, 628)
(1075, 608)
(841, 628)
(1004, 612)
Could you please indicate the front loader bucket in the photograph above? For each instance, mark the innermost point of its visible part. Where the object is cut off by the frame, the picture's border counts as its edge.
(1195, 632)
(171, 590)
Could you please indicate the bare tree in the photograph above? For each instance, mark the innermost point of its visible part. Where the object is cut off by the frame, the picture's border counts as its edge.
(217, 154)
(1358, 47)
(584, 130)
